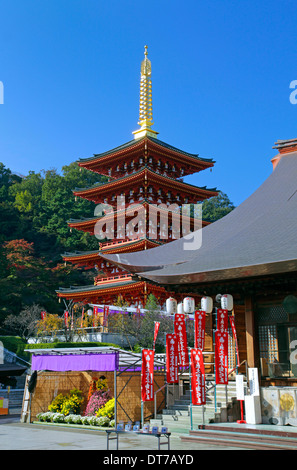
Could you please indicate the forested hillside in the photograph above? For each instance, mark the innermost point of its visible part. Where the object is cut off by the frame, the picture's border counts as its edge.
(34, 211)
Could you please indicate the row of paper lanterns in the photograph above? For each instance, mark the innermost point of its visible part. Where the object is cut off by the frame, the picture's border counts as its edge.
(188, 304)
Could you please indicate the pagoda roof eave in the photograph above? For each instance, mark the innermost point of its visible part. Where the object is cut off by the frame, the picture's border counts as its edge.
(135, 144)
(79, 253)
(87, 293)
(118, 247)
(99, 187)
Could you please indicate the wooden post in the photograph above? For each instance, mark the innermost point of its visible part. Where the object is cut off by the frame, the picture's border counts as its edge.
(250, 332)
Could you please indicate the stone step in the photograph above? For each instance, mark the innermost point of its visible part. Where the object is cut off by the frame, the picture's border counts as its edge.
(215, 410)
(15, 396)
(243, 437)
(181, 424)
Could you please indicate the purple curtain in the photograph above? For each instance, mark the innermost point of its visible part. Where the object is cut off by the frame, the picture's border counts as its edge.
(76, 362)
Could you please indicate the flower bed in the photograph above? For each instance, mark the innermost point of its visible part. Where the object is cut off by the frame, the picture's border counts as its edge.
(59, 418)
(65, 409)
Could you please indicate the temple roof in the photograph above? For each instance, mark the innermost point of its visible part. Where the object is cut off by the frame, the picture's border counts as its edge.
(87, 224)
(114, 288)
(141, 143)
(257, 238)
(112, 247)
(79, 292)
(166, 181)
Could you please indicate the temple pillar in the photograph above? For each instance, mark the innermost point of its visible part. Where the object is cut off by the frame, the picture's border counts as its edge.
(250, 332)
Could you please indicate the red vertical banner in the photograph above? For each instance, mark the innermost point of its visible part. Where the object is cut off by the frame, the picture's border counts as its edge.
(199, 339)
(147, 375)
(82, 317)
(232, 323)
(221, 357)
(95, 313)
(157, 326)
(180, 331)
(105, 314)
(179, 317)
(222, 320)
(171, 359)
(66, 318)
(197, 377)
(43, 315)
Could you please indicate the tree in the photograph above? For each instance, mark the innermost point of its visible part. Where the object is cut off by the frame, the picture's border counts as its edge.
(7, 179)
(216, 207)
(19, 254)
(24, 324)
(141, 327)
(49, 325)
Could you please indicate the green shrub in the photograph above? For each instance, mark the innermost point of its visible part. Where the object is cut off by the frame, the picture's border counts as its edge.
(16, 345)
(61, 344)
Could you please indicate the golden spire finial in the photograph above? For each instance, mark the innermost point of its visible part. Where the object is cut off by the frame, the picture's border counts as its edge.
(145, 106)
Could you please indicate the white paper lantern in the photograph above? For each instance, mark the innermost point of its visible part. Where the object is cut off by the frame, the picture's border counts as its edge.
(207, 304)
(171, 305)
(189, 305)
(227, 302)
(180, 308)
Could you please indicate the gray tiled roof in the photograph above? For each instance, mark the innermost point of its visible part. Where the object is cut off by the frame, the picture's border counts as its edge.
(258, 237)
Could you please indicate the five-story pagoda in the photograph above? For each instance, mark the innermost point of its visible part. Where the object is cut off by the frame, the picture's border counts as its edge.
(137, 209)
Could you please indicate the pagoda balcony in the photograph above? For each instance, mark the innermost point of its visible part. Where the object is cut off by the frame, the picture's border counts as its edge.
(146, 185)
(113, 279)
(106, 245)
(155, 154)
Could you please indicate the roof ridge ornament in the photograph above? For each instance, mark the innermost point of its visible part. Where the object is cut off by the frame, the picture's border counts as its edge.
(145, 104)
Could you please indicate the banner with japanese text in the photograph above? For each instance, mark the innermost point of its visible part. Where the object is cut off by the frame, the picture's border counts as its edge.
(147, 375)
(232, 323)
(105, 314)
(222, 320)
(180, 331)
(66, 318)
(199, 339)
(95, 315)
(197, 377)
(221, 357)
(82, 317)
(171, 358)
(157, 326)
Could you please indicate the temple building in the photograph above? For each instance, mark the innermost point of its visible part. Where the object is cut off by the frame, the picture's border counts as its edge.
(144, 204)
(251, 254)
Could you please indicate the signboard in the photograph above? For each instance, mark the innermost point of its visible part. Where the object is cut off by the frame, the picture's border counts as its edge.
(239, 387)
(199, 329)
(221, 357)
(197, 377)
(171, 359)
(147, 375)
(253, 381)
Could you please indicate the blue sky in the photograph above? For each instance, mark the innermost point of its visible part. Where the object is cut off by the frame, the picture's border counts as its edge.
(221, 72)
